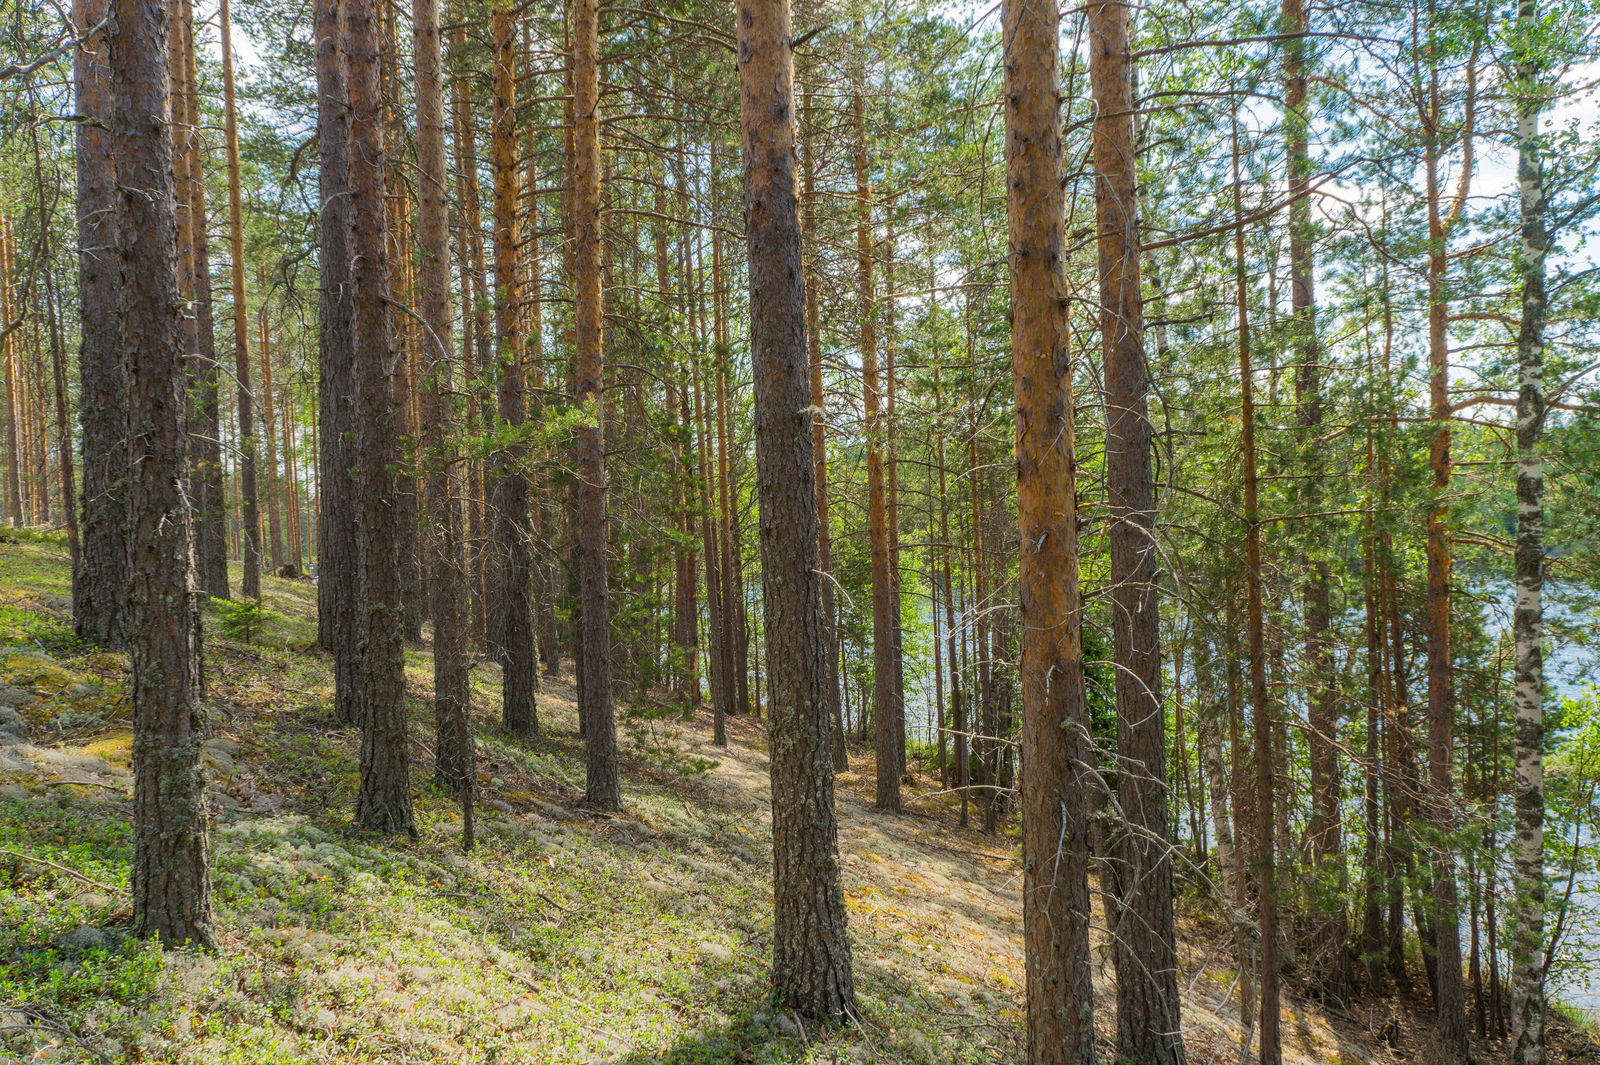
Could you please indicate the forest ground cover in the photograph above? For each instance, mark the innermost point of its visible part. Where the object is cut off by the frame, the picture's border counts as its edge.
(565, 936)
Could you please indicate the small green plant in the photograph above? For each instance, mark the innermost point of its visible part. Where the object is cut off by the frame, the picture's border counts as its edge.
(243, 619)
(654, 741)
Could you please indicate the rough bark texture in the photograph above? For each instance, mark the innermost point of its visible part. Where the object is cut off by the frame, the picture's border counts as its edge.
(518, 658)
(338, 555)
(1055, 716)
(101, 586)
(1144, 951)
(384, 800)
(454, 764)
(171, 871)
(1527, 944)
(249, 515)
(810, 943)
(602, 789)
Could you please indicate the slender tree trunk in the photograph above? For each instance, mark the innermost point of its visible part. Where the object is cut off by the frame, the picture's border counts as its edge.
(811, 967)
(1243, 821)
(952, 720)
(1527, 951)
(190, 179)
(1450, 995)
(249, 518)
(1146, 961)
(892, 490)
(977, 643)
(474, 318)
(735, 658)
(274, 519)
(519, 663)
(179, 43)
(1330, 967)
(171, 866)
(1474, 968)
(291, 481)
(384, 801)
(715, 628)
(8, 352)
(603, 789)
(1210, 737)
(544, 611)
(1371, 888)
(886, 748)
(819, 446)
(211, 536)
(1055, 713)
(1271, 1052)
(338, 555)
(100, 589)
(452, 694)
(58, 367)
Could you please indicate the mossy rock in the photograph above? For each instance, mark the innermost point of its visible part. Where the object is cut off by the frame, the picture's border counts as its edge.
(30, 669)
(115, 748)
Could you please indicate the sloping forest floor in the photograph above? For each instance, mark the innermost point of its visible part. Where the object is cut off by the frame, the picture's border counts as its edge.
(565, 936)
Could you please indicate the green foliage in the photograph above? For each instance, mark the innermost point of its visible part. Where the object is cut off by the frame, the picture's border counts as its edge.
(21, 625)
(243, 619)
(652, 739)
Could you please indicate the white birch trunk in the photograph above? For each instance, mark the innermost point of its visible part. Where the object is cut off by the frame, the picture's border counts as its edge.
(1527, 946)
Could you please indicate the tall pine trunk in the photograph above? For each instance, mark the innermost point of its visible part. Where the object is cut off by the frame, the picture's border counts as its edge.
(1271, 1052)
(171, 864)
(1449, 990)
(519, 661)
(720, 699)
(1055, 713)
(211, 534)
(1330, 966)
(602, 786)
(249, 516)
(270, 436)
(819, 443)
(452, 694)
(384, 800)
(58, 373)
(338, 558)
(1143, 948)
(884, 717)
(101, 586)
(811, 967)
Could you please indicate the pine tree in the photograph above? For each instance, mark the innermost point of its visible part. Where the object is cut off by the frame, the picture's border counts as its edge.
(811, 968)
(1055, 717)
(339, 621)
(384, 801)
(603, 788)
(171, 862)
(101, 581)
